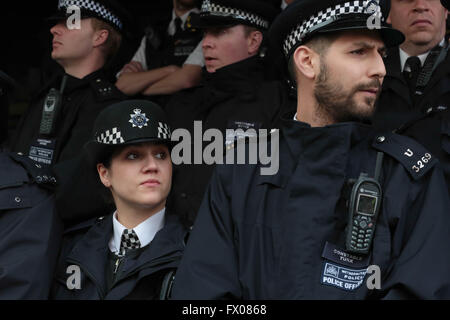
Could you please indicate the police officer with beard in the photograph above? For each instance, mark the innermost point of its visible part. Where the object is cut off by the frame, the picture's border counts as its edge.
(346, 203)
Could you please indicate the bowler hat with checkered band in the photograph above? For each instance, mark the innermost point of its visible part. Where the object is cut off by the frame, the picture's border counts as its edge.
(109, 11)
(125, 123)
(304, 19)
(224, 13)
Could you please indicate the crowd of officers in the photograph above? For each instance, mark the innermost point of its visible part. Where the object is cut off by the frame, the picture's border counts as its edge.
(91, 206)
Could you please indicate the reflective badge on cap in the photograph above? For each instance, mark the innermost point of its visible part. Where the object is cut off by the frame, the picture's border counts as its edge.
(138, 119)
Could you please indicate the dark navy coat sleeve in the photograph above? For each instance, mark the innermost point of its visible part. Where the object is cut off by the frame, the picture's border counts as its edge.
(30, 231)
(209, 268)
(420, 269)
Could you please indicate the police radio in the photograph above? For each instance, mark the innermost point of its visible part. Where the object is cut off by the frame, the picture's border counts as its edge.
(363, 209)
(51, 109)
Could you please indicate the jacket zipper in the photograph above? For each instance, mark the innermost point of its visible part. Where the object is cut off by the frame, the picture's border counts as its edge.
(147, 265)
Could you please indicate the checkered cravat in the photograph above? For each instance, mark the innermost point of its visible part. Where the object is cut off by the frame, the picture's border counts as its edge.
(129, 241)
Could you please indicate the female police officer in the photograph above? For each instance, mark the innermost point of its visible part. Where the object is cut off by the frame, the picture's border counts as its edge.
(129, 253)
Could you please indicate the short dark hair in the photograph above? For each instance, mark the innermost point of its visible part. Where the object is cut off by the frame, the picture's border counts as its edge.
(319, 43)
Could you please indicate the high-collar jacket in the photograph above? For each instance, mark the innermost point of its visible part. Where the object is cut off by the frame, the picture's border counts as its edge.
(268, 237)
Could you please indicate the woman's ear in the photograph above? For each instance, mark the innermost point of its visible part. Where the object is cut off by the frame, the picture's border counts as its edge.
(103, 174)
(254, 42)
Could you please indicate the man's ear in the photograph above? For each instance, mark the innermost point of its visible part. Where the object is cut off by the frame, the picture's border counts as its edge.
(100, 37)
(254, 42)
(307, 62)
(103, 174)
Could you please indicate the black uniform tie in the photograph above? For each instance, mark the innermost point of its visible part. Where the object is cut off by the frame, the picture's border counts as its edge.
(178, 28)
(129, 241)
(413, 64)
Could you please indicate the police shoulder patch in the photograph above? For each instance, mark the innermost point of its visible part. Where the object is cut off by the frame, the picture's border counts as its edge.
(416, 159)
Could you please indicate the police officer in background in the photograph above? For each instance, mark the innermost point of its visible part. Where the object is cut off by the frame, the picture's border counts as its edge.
(415, 98)
(345, 198)
(166, 46)
(234, 93)
(129, 253)
(59, 120)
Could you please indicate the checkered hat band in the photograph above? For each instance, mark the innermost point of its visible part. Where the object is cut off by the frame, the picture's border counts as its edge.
(93, 6)
(113, 136)
(214, 9)
(164, 131)
(328, 15)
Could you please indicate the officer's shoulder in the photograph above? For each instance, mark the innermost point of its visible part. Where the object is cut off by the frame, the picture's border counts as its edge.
(16, 169)
(83, 226)
(104, 90)
(413, 156)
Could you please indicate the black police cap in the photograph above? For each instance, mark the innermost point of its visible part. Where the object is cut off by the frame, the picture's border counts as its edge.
(128, 122)
(109, 11)
(216, 13)
(303, 19)
(446, 4)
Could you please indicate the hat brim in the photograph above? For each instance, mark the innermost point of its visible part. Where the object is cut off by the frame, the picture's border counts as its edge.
(205, 21)
(391, 37)
(96, 151)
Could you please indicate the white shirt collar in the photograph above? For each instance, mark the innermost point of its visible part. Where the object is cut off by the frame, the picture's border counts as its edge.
(283, 5)
(145, 231)
(404, 56)
(171, 28)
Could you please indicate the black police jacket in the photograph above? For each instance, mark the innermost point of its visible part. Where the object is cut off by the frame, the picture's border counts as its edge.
(427, 119)
(234, 97)
(30, 229)
(282, 236)
(82, 100)
(84, 254)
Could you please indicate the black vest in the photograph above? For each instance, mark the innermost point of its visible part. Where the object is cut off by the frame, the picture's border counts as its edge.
(163, 50)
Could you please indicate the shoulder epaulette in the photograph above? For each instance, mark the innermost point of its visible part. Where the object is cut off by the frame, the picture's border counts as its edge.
(104, 90)
(411, 154)
(40, 174)
(86, 224)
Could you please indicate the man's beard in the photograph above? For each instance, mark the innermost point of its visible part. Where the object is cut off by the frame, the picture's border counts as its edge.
(337, 105)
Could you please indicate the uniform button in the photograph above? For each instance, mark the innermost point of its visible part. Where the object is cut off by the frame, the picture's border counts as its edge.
(381, 139)
(20, 153)
(17, 199)
(39, 179)
(183, 195)
(98, 80)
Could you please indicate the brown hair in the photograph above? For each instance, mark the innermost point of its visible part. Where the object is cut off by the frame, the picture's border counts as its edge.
(112, 44)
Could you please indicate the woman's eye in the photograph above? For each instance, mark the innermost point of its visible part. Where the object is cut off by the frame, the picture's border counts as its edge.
(132, 156)
(161, 155)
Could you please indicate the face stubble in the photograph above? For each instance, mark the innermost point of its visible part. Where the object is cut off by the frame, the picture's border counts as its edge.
(336, 104)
